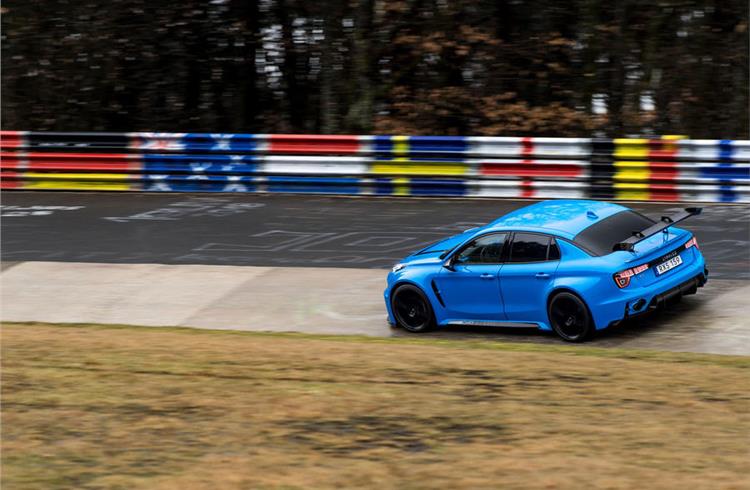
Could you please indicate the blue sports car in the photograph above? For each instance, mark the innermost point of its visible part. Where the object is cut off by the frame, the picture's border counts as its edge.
(572, 266)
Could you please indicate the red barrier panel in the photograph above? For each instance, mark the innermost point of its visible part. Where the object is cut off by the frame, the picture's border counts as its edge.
(12, 160)
(11, 139)
(70, 161)
(83, 161)
(664, 192)
(10, 180)
(313, 144)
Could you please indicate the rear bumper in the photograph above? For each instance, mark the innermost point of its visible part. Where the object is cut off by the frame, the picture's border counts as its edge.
(633, 301)
(666, 297)
(683, 289)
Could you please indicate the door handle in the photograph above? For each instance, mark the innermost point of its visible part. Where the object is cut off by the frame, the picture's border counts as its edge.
(487, 276)
(542, 275)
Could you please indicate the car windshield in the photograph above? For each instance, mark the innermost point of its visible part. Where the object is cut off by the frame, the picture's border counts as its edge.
(600, 238)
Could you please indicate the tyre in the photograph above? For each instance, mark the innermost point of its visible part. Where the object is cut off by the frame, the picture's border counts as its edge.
(570, 317)
(412, 309)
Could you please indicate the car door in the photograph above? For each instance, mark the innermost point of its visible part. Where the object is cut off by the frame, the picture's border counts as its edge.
(527, 275)
(469, 286)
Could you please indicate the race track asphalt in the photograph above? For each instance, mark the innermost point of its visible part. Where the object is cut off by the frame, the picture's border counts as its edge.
(320, 264)
(286, 230)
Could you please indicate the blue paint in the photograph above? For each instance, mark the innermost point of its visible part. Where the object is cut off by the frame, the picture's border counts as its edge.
(566, 217)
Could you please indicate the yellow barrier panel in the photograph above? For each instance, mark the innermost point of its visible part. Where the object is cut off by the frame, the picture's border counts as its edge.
(631, 148)
(76, 181)
(632, 191)
(629, 171)
(400, 145)
(403, 166)
(631, 164)
(400, 186)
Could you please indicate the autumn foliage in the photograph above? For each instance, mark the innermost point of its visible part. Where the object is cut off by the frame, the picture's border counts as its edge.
(520, 67)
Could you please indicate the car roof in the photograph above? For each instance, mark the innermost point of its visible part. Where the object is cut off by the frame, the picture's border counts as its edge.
(564, 217)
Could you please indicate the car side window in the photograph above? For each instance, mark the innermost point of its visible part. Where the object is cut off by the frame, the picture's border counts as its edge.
(487, 249)
(530, 247)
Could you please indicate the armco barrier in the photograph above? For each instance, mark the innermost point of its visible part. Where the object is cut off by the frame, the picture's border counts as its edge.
(664, 169)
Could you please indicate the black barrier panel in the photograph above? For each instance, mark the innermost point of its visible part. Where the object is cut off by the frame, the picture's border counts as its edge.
(43, 141)
(602, 168)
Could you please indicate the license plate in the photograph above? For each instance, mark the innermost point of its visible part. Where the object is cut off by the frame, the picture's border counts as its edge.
(668, 265)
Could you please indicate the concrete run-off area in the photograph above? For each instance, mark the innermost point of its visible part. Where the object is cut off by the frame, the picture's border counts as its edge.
(318, 300)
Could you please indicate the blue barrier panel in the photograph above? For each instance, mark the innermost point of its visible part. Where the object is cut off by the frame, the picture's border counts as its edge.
(727, 193)
(199, 183)
(432, 187)
(403, 186)
(725, 151)
(415, 145)
(725, 171)
(436, 159)
(220, 142)
(382, 144)
(438, 144)
(383, 187)
(200, 164)
(319, 185)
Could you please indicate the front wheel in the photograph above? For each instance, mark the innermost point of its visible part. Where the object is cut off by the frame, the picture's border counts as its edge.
(570, 318)
(412, 309)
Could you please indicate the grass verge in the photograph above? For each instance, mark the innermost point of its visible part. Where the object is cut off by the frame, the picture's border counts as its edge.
(129, 407)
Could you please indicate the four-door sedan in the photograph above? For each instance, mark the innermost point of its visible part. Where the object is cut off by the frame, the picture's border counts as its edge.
(572, 266)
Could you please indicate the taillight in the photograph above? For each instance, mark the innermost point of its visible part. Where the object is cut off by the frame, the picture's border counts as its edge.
(622, 279)
(692, 243)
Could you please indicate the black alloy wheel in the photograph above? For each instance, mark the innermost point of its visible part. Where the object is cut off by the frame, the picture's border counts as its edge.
(412, 309)
(570, 318)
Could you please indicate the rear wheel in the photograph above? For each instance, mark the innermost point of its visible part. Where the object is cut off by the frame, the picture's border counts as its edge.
(412, 309)
(570, 318)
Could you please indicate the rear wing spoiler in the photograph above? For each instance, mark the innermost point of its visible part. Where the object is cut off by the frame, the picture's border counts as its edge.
(662, 225)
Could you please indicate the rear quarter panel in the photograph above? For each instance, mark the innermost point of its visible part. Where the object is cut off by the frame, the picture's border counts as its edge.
(588, 277)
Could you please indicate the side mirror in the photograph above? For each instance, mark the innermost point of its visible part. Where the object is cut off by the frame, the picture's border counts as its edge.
(448, 264)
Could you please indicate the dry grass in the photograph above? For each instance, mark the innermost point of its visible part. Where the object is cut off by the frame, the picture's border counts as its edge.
(100, 407)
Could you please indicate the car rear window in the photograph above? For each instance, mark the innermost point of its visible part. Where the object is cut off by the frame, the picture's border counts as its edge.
(600, 238)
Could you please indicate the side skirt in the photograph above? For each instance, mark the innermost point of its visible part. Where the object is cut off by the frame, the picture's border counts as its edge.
(490, 323)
